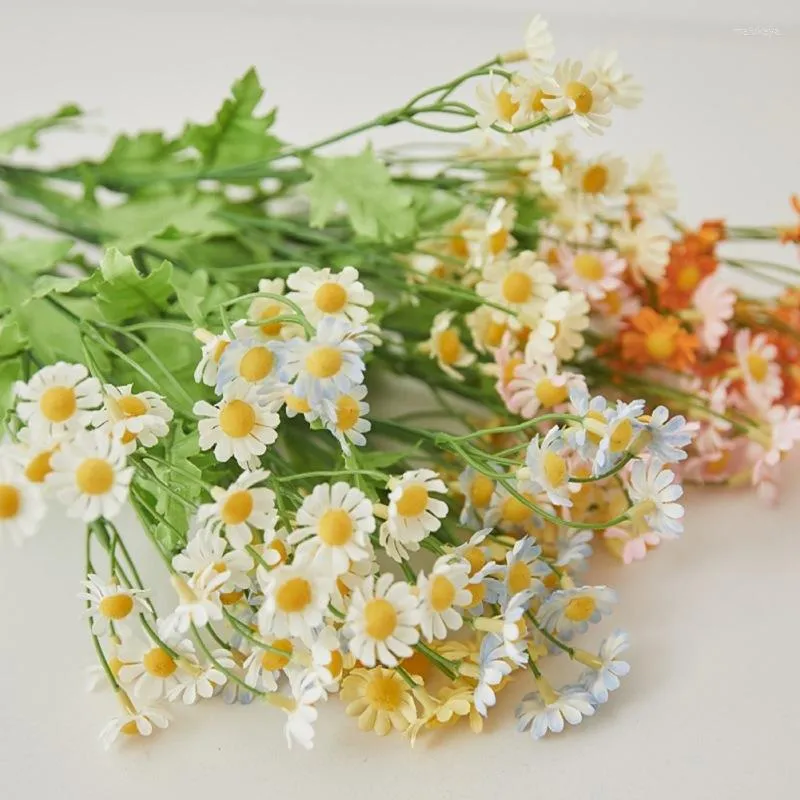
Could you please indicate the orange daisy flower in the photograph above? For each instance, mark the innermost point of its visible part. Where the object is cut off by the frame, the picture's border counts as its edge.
(660, 340)
(687, 266)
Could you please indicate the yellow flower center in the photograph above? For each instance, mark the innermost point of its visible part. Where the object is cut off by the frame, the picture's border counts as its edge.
(442, 593)
(230, 598)
(757, 366)
(256, 364)
(277, 546)
(519, 577)
(116, 606)
(115, 665)
(159, 663)
(580, 609)
(347, 412)
(58, 403)
(720, 463)
(336, 664)
(335, 527)
(478, 592)
(324, 362)
(384, 692)
(480, 491)
(621, 436)
(293, 595)
(449, 346)
(549, 394)
(688, 277)
(219, 349)
(589, 267)
(475, 558)
(131, 405)
(554, 468)
(38, 467)
(509, 368)
(272, 661)
(581, 96)
(330, 298)
(380, 618)
(268, 312)
(498, 241)
(494, 333)
(596, 416)
(9, 501)
(537, 104)
(660, 344)
(595, 179)
(237, 507)
(129, 728)
(506, 105)
(94, 476)
(413, 501)
(517, 287)
(515, 511)
(297, 404)
(237, 419)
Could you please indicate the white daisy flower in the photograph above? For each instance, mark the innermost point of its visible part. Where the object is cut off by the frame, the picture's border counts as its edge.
(595, 273)
(527, 95)
(522, 284)
(622, 429)
(559, 330)
(570, 611)
(654, 497)
(326, 365)
(206, 549)
(623, 90)
(238, 426)
(213, 349)
(606, 670)
(295, 598)
(756, 357)
(333, 525)
(263, 666)
(492, 238)
(266, 309)
(299, 726)
(198, 600)
(327, 661)
(109, 603)
(493, 668)
(441, 593)
(322, 292)
(487, 333)
(445, 346)
(543, 711)
(556, 156)
(32, 452)
(90, 477)
(547, 467)
(149, 668)
(382, 621)
(539, 44)
(22, 507)
(477, 490)
(508, 512)
(413, 513)
(586, 438)
(653, 188)
(252, 360)
(575, 91)
(134, 723)
(518, 575)
(644, 246)
(58, 399)
(345, 417)
(540, 386)
(496, 106)
(133, 417)
(573, 548)
(602, 177)
(240, 508)
(666, 437)
(197, 680)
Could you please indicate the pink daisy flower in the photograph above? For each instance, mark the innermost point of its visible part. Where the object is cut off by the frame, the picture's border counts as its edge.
(760, 372)
(714, 301)
(593, 272)
(540, 386)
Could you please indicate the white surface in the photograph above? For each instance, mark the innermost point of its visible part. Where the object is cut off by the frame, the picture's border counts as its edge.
(710, 709)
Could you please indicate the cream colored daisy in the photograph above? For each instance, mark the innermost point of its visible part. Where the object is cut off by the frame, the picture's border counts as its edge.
(496, 106)
(382, 621)
(90, 476)
(295, 598)
(541, 386)
(446, 347)
(133, 418)
(577, 91)
(345, 417)
(207, 549)
(441, 594)
(58, 399)
(213, 349)
(151, 670)
(265, 310)
(380, 699)
(487, 332)
(333, 525)
(539, 45)
(559, 332)
(263, 666)
(522, 284)
(623, 90)
(239, 426)
(21, 505)
(528, 96)
(322, 293)
(32, 452)
(241, 508)
(556, 157)
(413, 513)
(492, 239)
(109, 603)
(653, 189)
(645, 246)
(601, 178)
(135, 722)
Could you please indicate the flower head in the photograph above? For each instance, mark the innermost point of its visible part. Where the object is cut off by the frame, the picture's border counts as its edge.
(324, 293)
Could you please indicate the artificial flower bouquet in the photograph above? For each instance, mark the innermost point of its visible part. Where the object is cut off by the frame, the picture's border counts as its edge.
(197, 343)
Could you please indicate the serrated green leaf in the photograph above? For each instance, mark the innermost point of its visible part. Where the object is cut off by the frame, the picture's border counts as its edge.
(21, 260)
(124, 293)
(145, 155)
(57, 284)
(12, 339)
(197, 297)
(26, 134)
(237, 135)
(376, 207)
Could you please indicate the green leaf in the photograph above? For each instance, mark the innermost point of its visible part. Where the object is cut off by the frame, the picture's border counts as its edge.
(10, 373)
(124, 293)
(21, 260)
(26, 134)
(237, 135)
(56, 284)
(51, 334)
(197, 297)
(146, 155)
(12, 339)
(380, 460)
(376, 207)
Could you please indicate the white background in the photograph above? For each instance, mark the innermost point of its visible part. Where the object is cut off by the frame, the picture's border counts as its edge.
(711, 707)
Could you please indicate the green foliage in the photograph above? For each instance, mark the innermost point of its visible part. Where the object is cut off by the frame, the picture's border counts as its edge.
(26, 134)
(148, 156)
(377, 208)
(22, 260)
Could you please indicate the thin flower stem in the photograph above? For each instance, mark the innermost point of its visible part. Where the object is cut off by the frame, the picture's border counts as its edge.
(224, 670)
